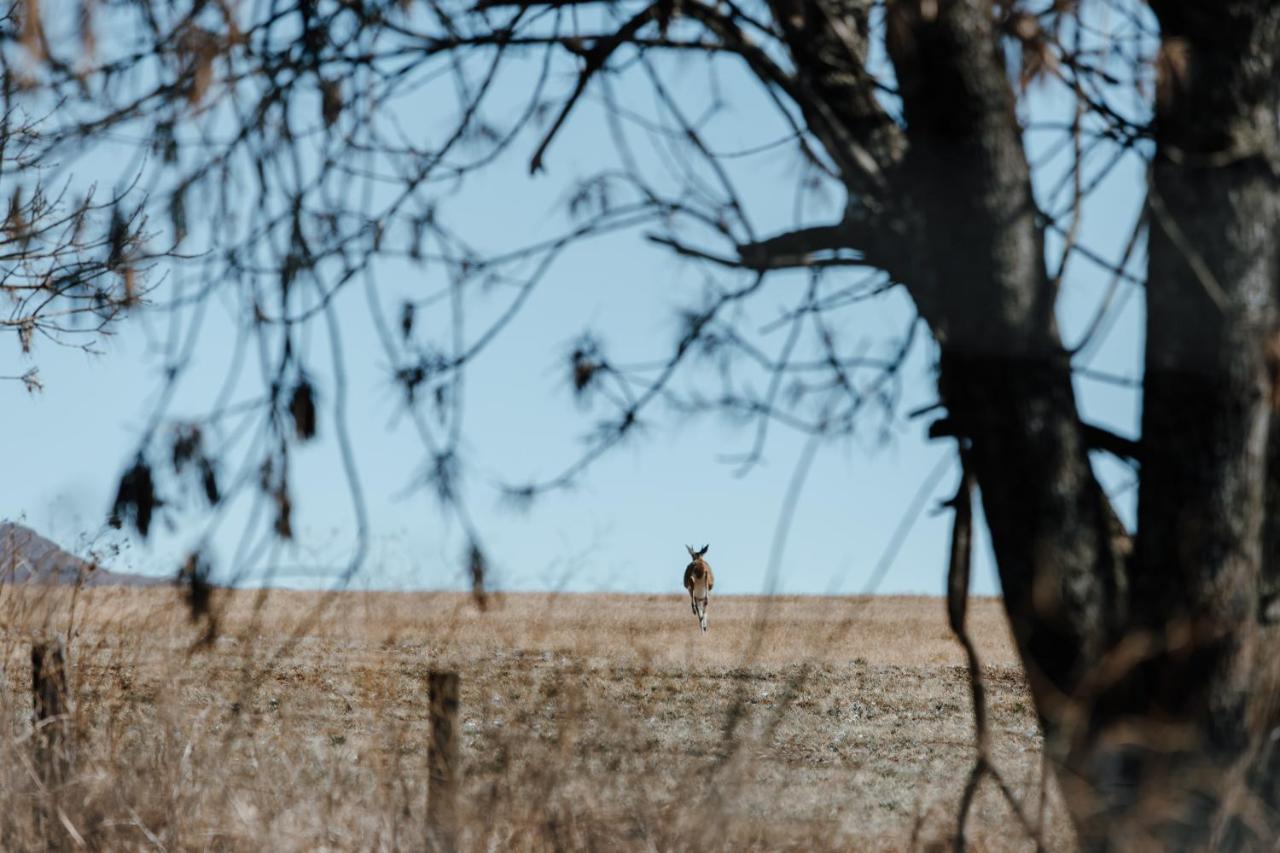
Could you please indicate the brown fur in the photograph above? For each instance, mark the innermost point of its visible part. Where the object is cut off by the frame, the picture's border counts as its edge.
(699, 572)
(695, 571)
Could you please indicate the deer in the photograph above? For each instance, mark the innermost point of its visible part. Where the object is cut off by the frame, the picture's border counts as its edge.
(699, 580)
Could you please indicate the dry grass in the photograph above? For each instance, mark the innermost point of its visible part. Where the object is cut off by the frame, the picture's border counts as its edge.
(588, 722)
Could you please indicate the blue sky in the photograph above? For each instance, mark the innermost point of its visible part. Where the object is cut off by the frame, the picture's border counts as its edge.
(624, 525)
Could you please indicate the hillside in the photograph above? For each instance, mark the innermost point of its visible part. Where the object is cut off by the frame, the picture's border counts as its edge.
(28, 557)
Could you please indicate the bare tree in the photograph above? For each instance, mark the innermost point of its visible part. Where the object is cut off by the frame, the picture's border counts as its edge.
(1148, 652)
(70, 264)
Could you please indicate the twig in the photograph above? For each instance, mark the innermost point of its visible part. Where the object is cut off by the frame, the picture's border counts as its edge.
(957, 603)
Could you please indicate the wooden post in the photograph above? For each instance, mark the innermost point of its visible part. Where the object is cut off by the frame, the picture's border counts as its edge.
(442, 786)
(50, 699)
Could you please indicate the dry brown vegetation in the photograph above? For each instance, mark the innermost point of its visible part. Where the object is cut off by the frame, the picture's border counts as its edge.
(588, 722)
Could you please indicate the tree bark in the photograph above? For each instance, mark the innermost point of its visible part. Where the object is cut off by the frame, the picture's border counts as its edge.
(1142, 673)
(1209, 392)
(1150, 665)
(981, 282)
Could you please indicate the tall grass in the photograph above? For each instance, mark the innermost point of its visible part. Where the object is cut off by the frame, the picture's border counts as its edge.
(588, 722)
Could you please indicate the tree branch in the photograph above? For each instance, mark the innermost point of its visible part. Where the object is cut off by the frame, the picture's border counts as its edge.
(595, 61)
(977, 273)
(879, 241)
(829, 45)
(1097, 438)
(762, 260)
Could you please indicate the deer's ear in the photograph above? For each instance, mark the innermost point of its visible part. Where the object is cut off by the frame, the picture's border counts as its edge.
(704, 550)
(692, 553)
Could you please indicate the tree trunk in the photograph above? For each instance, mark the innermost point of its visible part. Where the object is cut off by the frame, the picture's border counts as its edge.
(1209, 393)
(1153, 672)
(1142, 674)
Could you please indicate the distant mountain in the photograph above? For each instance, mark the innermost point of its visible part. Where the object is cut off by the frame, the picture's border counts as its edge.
(28, 557)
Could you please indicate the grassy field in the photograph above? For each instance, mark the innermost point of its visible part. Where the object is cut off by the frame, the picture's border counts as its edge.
(588, 722)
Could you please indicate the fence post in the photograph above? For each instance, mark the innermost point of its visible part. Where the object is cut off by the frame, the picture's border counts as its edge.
(51, 704)
(442, 786)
